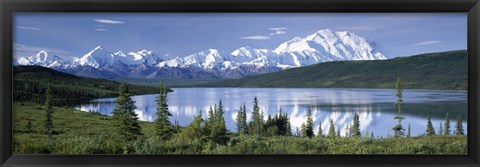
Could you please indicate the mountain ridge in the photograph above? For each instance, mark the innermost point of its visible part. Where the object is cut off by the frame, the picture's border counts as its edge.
(322, 46)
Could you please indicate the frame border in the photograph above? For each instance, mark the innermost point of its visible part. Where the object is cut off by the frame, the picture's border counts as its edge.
(8, 7)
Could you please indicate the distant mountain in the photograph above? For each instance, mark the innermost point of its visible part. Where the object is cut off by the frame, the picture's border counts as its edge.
(443, 70)
(323, 46)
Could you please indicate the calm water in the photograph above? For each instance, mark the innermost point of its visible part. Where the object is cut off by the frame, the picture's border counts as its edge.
(375, 106)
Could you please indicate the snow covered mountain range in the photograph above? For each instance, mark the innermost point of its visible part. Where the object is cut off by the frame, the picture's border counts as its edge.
(322, 46)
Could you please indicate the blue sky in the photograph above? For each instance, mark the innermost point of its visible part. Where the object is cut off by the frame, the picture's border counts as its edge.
(181, 34)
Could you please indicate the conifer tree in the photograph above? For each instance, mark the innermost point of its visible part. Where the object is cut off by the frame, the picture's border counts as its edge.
(211, 119)
(219, 131)
(309, 125)
(440, 129)
(124, 117)
(348, 130)
(256, 125)
(338, 132)
(331, 131)
(458, 126)
(288, 127)
(163, 127)
(398, 129)
(242, 120)
(49, 111)
(320, 131)
(447, 125)
(303, 128)
(355, 129)
(430, 130)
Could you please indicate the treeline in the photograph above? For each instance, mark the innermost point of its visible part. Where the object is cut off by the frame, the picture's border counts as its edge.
(30, 85)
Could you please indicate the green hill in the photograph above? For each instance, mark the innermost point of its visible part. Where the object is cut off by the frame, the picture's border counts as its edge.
(442, 71)
(30, 83)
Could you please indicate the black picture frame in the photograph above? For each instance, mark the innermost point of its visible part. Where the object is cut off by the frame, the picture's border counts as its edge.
(8, 7)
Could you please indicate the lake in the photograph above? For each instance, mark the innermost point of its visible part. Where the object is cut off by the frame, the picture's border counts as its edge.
(375, 106)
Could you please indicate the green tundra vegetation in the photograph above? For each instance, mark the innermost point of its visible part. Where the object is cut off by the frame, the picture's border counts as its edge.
(40, 128)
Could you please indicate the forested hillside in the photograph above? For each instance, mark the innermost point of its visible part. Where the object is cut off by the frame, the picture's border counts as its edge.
(30, 83)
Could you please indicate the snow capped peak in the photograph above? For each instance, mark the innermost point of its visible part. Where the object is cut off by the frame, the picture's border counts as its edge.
(96, 58)
(42, 58)
(120, 53)
(206, 59)
(245, 50)
(144, 52)
(329, 45)
(326, 33)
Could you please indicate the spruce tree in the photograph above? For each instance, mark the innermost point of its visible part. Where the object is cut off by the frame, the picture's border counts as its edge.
(348, 130)
(355, 129)
(309, 125)
(256, 125)
(124, 118)
(458, 126)
(430, 130)
(440, 130)
(331, 131)
(219, 131)
(338, 132)
(49, 111)
(163, 127)
(211, 120)
(242, 120)
(288, 127)
(303, 128)
(447, 125)
(320, 130)
(398, 129)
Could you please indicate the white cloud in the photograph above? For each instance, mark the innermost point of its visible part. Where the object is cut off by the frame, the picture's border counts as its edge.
(278, 30)
(28, 28)
(256, 37)
(100, 29)
(361, 28)
(107, 21)
(21, 50)
(426, 43)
